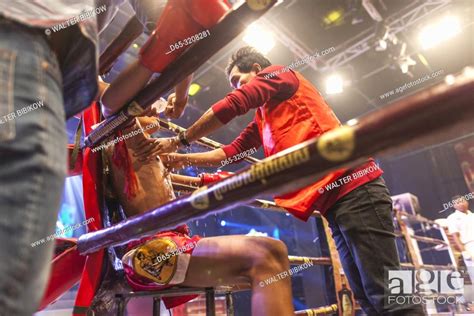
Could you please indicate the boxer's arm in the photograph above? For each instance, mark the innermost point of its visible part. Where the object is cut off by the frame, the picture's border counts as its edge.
(177, 101)
(182, 89)
(128, 83)
(123, 89)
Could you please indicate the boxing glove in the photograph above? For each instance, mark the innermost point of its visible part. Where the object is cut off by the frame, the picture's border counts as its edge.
(209, 178)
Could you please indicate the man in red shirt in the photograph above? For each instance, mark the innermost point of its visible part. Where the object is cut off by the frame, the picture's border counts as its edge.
(289, 110)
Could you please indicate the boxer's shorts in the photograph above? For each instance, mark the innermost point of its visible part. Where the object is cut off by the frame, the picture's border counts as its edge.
(160, 262)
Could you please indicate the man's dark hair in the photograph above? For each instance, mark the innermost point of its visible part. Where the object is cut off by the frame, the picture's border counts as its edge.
(244, 58)
(458, 197)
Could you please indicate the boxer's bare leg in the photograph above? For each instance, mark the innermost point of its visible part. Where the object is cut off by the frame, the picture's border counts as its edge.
(228, 260)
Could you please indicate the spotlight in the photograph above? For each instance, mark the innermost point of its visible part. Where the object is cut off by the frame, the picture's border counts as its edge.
(223, 223)
(334, 17)
(194, 88)
(433, 35)
(256, 36)
(334, 84)
(450, 79)
(135, 45)
(352, 122)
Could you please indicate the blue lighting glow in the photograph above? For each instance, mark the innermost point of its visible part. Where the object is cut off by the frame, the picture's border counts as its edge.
(276, 233)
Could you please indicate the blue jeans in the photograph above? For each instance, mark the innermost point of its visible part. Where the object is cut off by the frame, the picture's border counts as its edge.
(32, 164)
(362, 228)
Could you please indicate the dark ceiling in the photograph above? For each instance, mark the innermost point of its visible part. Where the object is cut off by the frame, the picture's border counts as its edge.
(298, 25)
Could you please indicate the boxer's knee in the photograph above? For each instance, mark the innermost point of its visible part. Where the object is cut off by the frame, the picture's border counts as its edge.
(268, 256)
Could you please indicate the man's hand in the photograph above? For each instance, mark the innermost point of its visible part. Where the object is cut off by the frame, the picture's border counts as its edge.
(175, 107)
(148, 149)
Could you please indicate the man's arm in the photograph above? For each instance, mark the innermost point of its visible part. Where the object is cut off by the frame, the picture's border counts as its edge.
(211, 158)
(251, 95)
(457, 241)
(265, 87)
(150, 148)
(454, 232)
(186, 180)
(248, 139)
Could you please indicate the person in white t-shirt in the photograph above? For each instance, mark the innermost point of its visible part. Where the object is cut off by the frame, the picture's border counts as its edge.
(461, 225)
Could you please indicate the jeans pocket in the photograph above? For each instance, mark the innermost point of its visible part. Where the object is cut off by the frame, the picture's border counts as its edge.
(7, 80)
(381, 201)
(383, 211)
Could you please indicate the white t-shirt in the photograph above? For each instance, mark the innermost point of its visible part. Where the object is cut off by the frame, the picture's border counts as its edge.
(462, 223)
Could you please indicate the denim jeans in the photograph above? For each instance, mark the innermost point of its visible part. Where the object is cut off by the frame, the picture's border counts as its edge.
(32, 164)
(362, 228)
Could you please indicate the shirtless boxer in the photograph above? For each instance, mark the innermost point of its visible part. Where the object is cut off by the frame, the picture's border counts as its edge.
(173, 257)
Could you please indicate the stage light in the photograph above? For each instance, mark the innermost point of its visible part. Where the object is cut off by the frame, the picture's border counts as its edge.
(223, 223)
(194, 88)
(450, 79)
(276, 233)
(334, 84)
(352, 122)
(256, 36)
(432, 35)
(334, 17)
(135, 45)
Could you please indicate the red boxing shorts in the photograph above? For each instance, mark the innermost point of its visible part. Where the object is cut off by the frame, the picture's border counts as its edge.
(159, 262)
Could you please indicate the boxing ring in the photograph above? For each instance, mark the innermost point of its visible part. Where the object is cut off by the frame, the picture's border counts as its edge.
(391, 130)
(427, 117)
